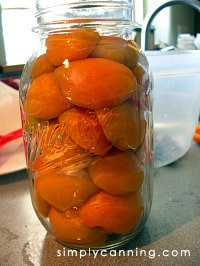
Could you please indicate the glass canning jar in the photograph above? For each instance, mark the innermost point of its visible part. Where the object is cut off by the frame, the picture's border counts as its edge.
(85, 99)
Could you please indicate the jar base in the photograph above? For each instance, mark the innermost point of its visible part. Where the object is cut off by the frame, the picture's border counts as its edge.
(114, 243)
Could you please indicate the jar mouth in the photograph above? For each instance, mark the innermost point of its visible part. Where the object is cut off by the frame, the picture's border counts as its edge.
(103, 26)
(117, 10)
(43, 4)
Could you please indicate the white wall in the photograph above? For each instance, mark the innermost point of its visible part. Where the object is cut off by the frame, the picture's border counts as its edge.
(18, 40)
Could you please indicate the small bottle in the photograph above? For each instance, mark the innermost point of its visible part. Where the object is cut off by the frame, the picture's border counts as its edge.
(86, 108)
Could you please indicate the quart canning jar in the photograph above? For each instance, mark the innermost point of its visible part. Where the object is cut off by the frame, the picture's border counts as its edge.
(85, 100)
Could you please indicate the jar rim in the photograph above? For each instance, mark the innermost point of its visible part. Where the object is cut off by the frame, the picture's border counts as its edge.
(43, 4)
(47, 11)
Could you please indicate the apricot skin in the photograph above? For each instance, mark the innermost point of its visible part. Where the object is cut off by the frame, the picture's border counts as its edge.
(117, 173)
(141, 75)
(56, 150)
(117, 49)
(123, 125)
(115, 214)
(63, 191)
(83, 127)
(68, 227)
(42, 207)
(44, 99)
(95, 82)
(41, 65)
(70, 45)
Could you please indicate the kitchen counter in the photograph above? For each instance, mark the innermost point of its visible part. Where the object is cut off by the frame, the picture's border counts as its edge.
(173, 225)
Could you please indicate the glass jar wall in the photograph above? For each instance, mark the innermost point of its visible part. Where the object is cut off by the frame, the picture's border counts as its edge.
(85, 100)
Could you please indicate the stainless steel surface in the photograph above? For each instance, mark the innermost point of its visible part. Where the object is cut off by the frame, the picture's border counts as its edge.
(151, 15)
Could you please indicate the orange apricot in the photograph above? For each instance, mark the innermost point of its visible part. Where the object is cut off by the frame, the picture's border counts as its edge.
(64, 191)
(83, 127)
(196, 136)
(141, 99)
(117, 173)
(142, 76)
(197, 129)
(31, 124)
(117, 49)
(95, 82)
(115, 214)
(68, 227)
(79, 21)
(68, 160)
(41, 206)
(123, 125)
(41, 65)
(44, 99)
(74, 44)
(46, 132)
(56, 150)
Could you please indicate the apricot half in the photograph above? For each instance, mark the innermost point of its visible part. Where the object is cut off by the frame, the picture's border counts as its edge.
(56, 150)
(141, 75)
(95, 82)
(44, 99)
(115, 214)
(41, 65)
(117, 173)
(68, 227)
(64, 191)
(41, 206)
(123, 125)
(74, 44)
(117, 49)
(84, 128)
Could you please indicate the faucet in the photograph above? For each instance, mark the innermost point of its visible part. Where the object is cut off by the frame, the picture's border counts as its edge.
(150, 16)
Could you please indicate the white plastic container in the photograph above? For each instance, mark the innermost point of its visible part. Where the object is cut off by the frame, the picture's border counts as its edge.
(197, 41)
(176, 102)
(186, 42)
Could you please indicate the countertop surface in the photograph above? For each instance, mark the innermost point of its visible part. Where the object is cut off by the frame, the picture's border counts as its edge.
(170, 237)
